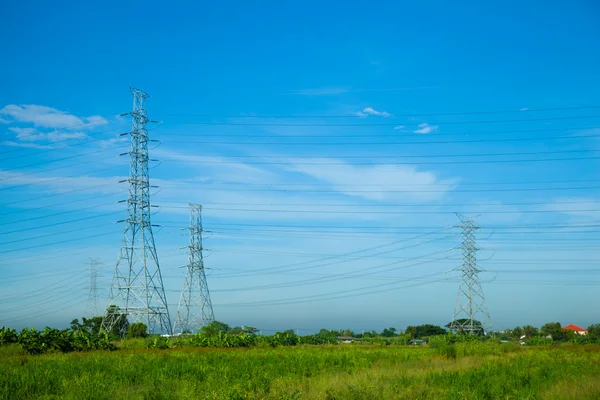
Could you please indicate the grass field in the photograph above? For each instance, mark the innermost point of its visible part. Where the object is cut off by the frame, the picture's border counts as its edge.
(310, 372)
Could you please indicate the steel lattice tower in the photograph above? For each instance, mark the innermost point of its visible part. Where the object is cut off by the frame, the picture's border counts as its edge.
(470, 313)
(91, 310)
(137, 288)
(195, 308)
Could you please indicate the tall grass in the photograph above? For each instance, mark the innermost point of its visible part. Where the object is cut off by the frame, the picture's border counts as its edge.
(486, 371)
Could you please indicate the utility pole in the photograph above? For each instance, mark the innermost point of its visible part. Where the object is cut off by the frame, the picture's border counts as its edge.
(137, 290)
(470, 313)
(91, 310)
(195, 308)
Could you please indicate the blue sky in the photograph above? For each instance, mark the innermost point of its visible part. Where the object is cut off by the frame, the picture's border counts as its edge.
(331, 143)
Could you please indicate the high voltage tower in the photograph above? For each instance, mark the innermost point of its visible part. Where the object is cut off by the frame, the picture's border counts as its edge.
(91, 310)
(195, 308)
(137, 289)
(470, 313)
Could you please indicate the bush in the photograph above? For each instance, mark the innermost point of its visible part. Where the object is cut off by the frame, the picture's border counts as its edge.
(137, 330)
(8, 336)
(67, 340)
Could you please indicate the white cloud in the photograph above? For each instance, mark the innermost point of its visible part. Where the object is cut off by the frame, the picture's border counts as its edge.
(48, 117)
(4, 121)
(31, 135)
(377, 182)
(220, 168)
(370, 111)
(425, 128)
(584, 207)
(399, 127)
(26, 145)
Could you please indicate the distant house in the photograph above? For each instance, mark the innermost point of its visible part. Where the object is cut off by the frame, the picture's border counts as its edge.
(577, 329)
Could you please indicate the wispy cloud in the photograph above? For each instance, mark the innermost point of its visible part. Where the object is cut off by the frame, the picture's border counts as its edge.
(31, 135)
(425, 128)
(48, 117)
(369, 111)
(12, 143)
(524, 109)
(399, 127)
(584, 207)
(218, 167)
(383, 182)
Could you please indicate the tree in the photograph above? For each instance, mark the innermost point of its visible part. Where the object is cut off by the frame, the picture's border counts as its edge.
(460, 326)
(555, 330)
(214, 328)
(594, 332)
(119, 327)
(411, 331)
(517, 332)
(429, 330)
(530, 331)
(250, 330)
(388, 332)
(236, 330)
(137, 330)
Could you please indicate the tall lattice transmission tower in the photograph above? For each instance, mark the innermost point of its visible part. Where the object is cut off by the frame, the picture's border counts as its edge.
(470, 313)
(91, 309)
(195, 308)
(137, 289)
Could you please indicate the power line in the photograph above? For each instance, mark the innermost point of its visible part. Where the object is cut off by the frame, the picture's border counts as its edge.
(399, 163)
(283, 143)
(58, 194)
(395, 212)
(59, 223)
(41, 182)
(387, 116)
(302, 265)
(389, 123)
(58, 159)
(55, 243)
(378, 156)
(56, 233)
(56, 214)
(60, 204)
(346, 135)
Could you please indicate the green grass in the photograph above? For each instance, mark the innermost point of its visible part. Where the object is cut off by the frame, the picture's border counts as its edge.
(482, 371)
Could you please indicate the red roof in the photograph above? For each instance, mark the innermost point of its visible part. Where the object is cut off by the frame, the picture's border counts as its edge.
(575, 328)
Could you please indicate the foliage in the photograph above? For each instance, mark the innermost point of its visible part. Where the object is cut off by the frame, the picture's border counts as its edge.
(530, 331)
(215, 328)
(458, 326)
(158, 342)
(555, 330)
(388, 332)
(426, 330)
(119, 321)
(594, 332)
(137, 330)
(67, 340)
(8, 336)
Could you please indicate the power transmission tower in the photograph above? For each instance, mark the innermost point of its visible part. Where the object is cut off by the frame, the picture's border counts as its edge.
(195, 308)
(91, 310)
(137, 290)
(470, 313)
